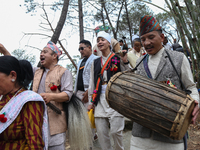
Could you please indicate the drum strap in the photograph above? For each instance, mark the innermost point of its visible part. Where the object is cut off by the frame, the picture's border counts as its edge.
(139, 63)
(146, 68)
(183, 86)
(98, 84)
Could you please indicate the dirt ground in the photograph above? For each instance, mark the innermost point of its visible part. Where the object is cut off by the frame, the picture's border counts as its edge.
(194, 135)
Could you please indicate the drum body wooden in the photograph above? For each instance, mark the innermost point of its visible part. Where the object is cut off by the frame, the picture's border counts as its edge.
(150, 103)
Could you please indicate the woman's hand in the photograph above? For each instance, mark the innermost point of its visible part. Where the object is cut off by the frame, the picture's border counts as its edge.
(3, 50)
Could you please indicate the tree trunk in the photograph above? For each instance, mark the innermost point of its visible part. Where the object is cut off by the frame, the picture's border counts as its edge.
(80, 20)
(109, 20)
(129, 25)
(61, 22)
(102, 16)
(56, 33)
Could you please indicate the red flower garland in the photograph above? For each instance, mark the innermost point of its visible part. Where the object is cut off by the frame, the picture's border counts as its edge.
(3, 119)
(53, 87)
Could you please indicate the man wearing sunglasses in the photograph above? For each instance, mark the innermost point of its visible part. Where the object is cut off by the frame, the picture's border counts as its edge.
(83, 71)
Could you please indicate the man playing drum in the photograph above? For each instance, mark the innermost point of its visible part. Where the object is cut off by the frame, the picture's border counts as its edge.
(157, 66)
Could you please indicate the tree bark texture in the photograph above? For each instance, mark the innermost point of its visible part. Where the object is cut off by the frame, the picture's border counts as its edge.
(109, 20)
(129, 25)
(80, 19)
(61, 22)
(102, 16)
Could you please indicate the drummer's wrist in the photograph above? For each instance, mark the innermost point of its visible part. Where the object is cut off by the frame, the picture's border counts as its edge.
(126, 62)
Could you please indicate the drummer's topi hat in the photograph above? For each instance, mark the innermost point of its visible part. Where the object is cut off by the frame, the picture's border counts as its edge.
(148, 24)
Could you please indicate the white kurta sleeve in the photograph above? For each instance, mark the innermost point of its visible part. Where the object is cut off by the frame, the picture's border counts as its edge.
(91, 84)
(67, 83)
(124, 66)
(187, 79)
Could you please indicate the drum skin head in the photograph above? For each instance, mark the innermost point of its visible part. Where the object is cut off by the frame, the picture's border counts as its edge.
(182, 120)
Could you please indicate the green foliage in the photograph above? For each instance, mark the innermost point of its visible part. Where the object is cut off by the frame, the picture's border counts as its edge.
(186, 15)
(135, 12)
(168, 25)
(57, 5)
(21, 54)
(30, 6)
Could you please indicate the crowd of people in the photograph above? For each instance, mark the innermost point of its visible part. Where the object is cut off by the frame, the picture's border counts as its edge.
(35, 119)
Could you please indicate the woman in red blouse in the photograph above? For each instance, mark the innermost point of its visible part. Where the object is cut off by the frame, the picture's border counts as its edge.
(22, 112)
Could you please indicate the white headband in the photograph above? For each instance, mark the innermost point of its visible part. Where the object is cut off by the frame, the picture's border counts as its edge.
(134, 37)
(104, 35)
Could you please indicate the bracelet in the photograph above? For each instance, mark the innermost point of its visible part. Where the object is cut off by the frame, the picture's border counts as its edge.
(126, 63)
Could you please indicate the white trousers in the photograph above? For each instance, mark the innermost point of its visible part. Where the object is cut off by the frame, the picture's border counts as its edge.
(57, 142)
(138, 143)
(116, 125)
(57, 147)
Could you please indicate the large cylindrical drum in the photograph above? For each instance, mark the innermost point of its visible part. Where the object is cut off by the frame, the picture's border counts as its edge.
(152, 104)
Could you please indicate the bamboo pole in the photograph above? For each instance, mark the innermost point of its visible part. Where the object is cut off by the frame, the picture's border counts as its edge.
(186, 30)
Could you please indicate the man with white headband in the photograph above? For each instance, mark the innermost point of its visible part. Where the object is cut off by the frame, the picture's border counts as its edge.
(55, 84)
(114, 43)
(102, 69)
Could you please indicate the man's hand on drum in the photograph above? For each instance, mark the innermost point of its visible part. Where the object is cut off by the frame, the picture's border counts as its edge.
(195, 112)
(90, 107)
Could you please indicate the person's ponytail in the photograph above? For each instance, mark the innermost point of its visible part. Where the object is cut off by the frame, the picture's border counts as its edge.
(26, 73)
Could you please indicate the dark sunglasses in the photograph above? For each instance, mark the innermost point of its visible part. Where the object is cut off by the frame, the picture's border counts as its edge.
(81, 48)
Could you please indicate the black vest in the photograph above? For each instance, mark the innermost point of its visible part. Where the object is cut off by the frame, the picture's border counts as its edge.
(97, 71)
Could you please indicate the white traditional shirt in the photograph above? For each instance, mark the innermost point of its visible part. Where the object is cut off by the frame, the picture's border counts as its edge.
(138, 54)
